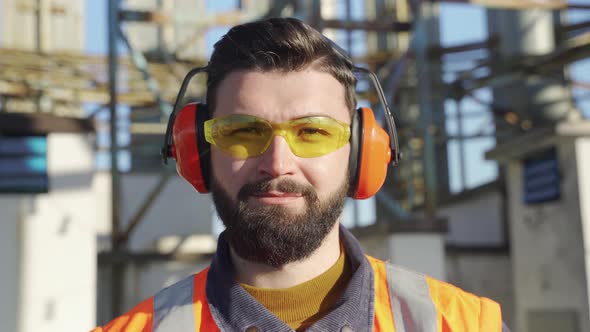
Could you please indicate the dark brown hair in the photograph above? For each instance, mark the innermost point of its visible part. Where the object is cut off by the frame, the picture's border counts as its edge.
(277, 44)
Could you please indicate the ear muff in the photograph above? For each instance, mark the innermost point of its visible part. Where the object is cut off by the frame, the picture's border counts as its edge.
(370, 154)
(189, 148)
(371, 147)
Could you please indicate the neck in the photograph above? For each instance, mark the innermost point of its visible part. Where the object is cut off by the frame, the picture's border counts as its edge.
(291, 274)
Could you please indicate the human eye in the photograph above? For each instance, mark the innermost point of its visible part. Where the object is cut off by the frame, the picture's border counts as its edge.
(312, 134)
(245, 131)
(313, 131)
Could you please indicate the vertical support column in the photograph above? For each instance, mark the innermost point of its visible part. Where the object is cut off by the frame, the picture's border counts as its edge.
(166, 31)
(376, 41)
(348, 32)
(427, 34)
(117, 272)
(528, 33)
(461, 139)
(583, 162)
(402, 14)
(57, 244)
(11, 258)
(310, 11)
(546, 186)
(43, 26)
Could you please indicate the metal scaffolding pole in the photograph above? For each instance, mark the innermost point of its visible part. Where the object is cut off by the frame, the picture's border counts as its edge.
(530, 35)
(117, 271)
(426, 35)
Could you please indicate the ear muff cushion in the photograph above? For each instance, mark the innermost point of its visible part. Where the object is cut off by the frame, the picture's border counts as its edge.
(374, 156)
(356, 137)
(191, 151)
(203, 146)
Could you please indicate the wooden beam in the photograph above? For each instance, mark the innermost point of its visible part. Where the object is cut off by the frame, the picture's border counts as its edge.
(32, 6)
(576, 27)
(15, 123)
(207, 20)
(12, 89)
(437, 51)
(149, 16)
(382, 25)
(578, 6)
(77, 78)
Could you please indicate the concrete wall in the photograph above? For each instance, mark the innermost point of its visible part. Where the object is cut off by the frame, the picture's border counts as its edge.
(422, 252)
(178, 210)
(548, 247)
(484, 274)
(10, 252)
(58, 243)
(582, 150)
(479, 264)
(476, 221)
(47, 246)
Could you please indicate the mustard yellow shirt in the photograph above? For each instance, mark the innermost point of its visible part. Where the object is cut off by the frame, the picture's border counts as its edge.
(302, 305)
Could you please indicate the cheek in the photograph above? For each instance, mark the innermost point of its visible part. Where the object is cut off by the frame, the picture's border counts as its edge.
(228, 171)
(328, 173)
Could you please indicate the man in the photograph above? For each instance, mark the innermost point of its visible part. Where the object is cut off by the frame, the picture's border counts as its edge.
(281, 123)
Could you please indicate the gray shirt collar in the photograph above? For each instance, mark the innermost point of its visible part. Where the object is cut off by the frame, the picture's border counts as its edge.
(234, 309)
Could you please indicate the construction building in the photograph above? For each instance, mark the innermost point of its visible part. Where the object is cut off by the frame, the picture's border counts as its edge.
(492, 195)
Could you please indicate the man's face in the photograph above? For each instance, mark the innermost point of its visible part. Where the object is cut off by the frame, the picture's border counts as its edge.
(278, 207)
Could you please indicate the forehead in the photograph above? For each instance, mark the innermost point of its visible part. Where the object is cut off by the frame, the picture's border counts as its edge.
(281, 96)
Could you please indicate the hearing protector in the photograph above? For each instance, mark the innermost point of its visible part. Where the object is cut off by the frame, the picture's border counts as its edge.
(371, 147)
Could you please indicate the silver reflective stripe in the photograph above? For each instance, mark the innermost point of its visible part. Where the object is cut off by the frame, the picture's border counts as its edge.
(411, 304)
(173, 308)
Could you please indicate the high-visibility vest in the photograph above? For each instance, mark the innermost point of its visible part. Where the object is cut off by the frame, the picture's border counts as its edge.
(405, 301)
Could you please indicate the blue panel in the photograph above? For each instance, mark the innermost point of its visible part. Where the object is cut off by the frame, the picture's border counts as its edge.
(541, 179)
(29, 184)
(23, 164)
(23, 145)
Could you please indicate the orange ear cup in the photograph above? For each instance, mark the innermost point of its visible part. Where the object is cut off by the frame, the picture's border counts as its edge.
(373, 156)
(190, 151)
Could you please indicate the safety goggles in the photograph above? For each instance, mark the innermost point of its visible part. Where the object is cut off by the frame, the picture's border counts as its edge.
(245, 136)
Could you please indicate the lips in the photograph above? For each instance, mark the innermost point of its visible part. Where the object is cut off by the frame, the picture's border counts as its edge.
(275, 197)
(275, 193)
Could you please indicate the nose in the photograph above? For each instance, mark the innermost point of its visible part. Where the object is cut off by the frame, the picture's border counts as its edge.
(277, 160)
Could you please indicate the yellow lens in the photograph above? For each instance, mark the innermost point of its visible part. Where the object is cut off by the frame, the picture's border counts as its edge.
(240, 136)
(244, 136)
(317, 136)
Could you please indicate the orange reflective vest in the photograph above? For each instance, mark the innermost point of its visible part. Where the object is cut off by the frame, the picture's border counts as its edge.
(405, 301)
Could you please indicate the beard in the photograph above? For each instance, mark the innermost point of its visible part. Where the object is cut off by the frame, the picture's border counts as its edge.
(272, 234)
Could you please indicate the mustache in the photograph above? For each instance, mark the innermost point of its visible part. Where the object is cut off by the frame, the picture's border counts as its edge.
(285, 185)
